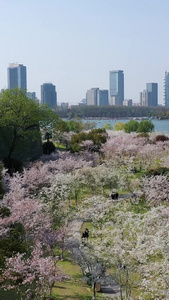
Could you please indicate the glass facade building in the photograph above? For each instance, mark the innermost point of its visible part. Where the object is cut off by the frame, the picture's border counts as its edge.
(48, 95)
(98, 97)
(166, 89)
(102, 98)
(17, 77)
(152, 89)
(116, 87)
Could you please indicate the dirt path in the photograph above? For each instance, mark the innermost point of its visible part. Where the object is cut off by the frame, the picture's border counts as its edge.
(74, 229)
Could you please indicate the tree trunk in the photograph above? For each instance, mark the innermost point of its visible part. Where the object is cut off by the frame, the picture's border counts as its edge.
(12, 147)
(94, 291)
(50, 293)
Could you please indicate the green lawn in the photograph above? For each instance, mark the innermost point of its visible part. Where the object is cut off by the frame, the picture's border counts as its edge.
(74, 288)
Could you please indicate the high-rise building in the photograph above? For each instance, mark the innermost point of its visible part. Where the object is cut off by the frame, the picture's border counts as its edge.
(17, 76)
(102, 97)
(91, 96)
(166, 89)
(48, 95)
(95, 96)
(152, 89)
(144, 98)
(149, 97)
(116, 87)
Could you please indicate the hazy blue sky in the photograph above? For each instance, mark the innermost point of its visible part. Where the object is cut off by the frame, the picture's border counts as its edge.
(75, 43)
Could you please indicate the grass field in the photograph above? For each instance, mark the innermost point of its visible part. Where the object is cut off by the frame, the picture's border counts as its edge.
(74, 288)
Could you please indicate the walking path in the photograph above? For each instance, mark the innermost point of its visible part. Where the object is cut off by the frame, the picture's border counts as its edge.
(74, 229)
(110, 291)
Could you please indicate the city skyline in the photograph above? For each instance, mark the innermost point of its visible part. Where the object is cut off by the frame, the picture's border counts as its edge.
(75, 44)
(17, 77)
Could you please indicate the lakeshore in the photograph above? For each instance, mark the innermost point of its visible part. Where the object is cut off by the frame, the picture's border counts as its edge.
(161, 126)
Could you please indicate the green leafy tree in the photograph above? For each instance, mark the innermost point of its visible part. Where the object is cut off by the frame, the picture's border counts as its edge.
(97, 136)
(61, 126)
(107, 126)
(131, 126)
(59, 130)
(119, 126)
(20, 121)
(75, 125)
(76, 140)
(145, 126)
(89, 125)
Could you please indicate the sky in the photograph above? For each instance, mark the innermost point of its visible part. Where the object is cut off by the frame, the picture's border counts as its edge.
(75, 43)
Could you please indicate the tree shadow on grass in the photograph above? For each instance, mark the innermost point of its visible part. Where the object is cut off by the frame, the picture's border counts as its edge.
(60, 287)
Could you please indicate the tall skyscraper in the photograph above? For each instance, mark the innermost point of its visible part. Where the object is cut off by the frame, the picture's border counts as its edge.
(48, 95)
(166, 89)
(152, 89)
(17, 76)
(116, 87)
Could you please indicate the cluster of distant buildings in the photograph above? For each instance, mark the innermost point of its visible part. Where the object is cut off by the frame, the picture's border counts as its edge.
(17, 77)
(114, 96)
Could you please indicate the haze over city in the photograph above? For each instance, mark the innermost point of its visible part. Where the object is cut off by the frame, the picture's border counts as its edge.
(74, 44)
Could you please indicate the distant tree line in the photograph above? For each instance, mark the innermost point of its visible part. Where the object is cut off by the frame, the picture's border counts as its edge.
(144, 126)
(88, 111)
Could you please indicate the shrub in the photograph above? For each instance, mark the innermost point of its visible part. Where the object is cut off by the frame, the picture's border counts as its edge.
(97, 136)
(13, 165)
(160, 138)
(48, 147)
(143, 134)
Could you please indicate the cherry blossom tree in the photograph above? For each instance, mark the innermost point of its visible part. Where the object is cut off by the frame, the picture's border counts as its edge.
(37, 270)
(155, 189)
(33, 265)
(137, 244)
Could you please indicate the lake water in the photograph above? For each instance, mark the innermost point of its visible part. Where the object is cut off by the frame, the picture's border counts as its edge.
(161, 126)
